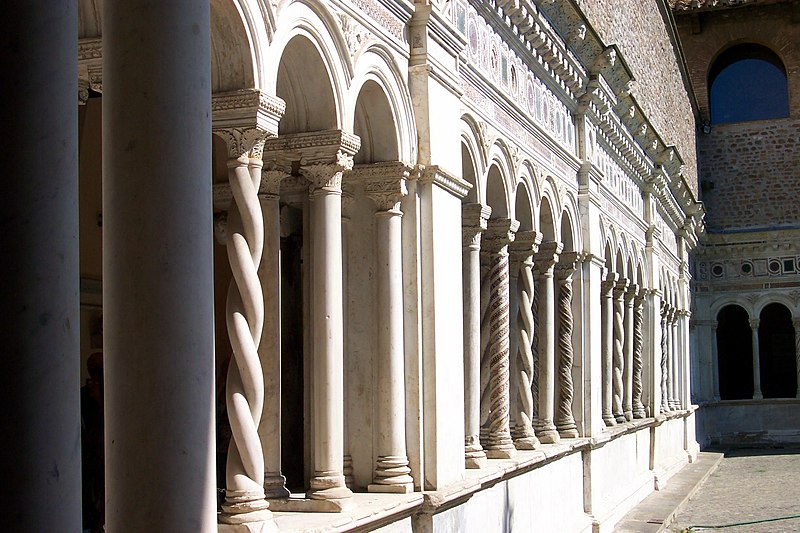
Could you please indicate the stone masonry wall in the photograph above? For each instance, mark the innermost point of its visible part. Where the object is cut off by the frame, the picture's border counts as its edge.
(754, 168)
(639, 30)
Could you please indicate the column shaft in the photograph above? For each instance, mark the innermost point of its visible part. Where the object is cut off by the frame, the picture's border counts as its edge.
(39, 294)
(664, 359)
(757, 395)
(607, 325)
(674, 372)
(619, 353)
(564, 419)
(638, 361)
(545, 263)
(796, 354)
(157, 267)
(715, 362)
(627, 374)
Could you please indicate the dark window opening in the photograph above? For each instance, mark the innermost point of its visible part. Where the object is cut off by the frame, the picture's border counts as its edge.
(734, 353)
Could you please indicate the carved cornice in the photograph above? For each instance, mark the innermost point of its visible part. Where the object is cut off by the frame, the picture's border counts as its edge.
(247, 108)
(89, 49)
(311, 148)
(453, 184)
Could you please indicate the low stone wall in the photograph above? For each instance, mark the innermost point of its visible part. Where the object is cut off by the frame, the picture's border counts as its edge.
(744, 423)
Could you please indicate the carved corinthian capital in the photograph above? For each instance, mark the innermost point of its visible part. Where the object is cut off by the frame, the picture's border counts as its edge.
(384, 183)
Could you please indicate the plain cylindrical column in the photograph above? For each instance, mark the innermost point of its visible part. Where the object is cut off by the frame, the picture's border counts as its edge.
(328, 333)
(40, 366)
(474, 217)
(392, 473)
(545, 262)
(607, 354)
(619, 351)
(664, 359)
(757, 395)
(157, 267)
(715, 361)
(627, 372)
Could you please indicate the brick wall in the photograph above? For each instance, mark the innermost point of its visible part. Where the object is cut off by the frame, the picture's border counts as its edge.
(755, 171)
(639, 30)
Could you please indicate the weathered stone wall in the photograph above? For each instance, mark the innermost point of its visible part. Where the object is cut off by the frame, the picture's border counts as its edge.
(754, 168)
(640, 32)
(704, 35)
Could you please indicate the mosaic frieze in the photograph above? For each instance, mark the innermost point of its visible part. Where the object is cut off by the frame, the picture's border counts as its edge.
(618, 181)
(736, 269)
(489, 54)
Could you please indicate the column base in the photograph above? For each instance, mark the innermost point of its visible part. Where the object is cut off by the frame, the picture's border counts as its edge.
(474, 462)
(474, 456)
(758, 396)
(628, 415)
(275, 486)
(526, 443)
(347, 470)
(620, 418)
(308, 505)
(252, 516)
(568, 430)
(328, 486)
(547, 433)
(608, 420)
(402, 488)
(505, 452)
(249, 527)
(639, 412)
(499, 445)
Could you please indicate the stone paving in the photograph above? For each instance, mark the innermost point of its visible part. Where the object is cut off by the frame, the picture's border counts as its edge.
(748, 485)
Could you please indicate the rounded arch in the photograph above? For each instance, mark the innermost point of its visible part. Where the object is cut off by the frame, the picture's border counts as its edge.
(567, 232)
(570, 210)
(496, 195)
(774, 298)
(472, 161)
(619, 264)
(380, 109)
(523, 206)
(776, 351)
(547, 221)
(734, 353)
(235, 41)
(747, 81)
(309, 67)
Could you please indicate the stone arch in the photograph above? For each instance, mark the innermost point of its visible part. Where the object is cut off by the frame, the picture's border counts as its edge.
(496, 195)
(237, 41)
(380, 109)
(567, 231)
(570, 210)
(734, 353)
(523, 207)
(500, 158)
(745, 304)
(619, 263)
(472, 161)
(776, 349)
(547, 220)
(309, 67)
(772, 298)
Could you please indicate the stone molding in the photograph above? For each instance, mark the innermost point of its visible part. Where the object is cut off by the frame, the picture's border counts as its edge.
(246, 108)
(243, 142)
(328, 146)
(384, 183)
(546, 258)
(525, 245)
(567, 265)
(451, 183)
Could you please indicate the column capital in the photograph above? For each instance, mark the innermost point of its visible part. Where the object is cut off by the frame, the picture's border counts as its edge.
(247, 108)
(547, 256)
(621, 288)
(608, 284)
(526, 243)
(754, 323)
(384, 183)
(474, 218)
(631, 293)
(499, 234)
(567, 264)
(243, 142)
(271, 177)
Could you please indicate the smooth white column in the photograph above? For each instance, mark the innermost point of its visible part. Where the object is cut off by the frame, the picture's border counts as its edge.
(638, 361)
(347, 228)
(564, 419)
(39, 302)
(269, 349)
(326, 266)
(757, 395)
(715, 361)
(525, 244)
(607, 325)
(796, 323)
(499, 234)
(545, 262)
(386, 185)
(627, 372)
(619, 350)
(473, 218)
(157, 267)
(673, 374)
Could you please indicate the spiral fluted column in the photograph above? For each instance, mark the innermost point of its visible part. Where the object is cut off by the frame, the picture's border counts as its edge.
(244, 392)
(545, 262)
(499, 234)
(664, 358)
(535, 350)
(385, 184)
(619, 352)
(473, 220)
(565, 421)
(638, 362)
(525, 244)
(607, 325)
(627, 373)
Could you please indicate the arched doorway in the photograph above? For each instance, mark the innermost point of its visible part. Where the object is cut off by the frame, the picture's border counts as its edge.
(777, 352)
(735, 353)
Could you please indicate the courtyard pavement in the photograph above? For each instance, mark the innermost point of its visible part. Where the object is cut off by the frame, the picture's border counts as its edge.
(748, 485)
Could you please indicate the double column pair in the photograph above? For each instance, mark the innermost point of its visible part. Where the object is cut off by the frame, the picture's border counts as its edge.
(622, 364)
(670, 384)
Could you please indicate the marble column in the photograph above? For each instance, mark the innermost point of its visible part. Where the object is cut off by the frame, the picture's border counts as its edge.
(715, 362)
(627, 372)
(796, 323)
(674, 373)
(328, 334)
(619, 352)
(269, 349)
(757, 395)
(495, 241)
(607, 325)
(545, 261)
(385, 184)
(638, 361)
(564, 419)
(473, 218)
(664, 358)
(347, 227)
(39, 294)
(526, 243)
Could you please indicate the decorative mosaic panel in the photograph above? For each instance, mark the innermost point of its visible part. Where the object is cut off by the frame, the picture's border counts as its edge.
(762, 267)
(491, 56)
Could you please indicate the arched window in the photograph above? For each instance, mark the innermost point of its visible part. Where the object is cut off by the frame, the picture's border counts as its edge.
(747, 82)
(776, 352)
(734, 353)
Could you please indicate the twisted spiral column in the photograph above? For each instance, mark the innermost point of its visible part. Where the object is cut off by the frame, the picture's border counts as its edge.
(545, 263)
(522, 249)
(498, 443)
(565, 421)
(474, 218)
(244, 313)
(664, 359)
(627, 373)
(619, 355)
(607, 324)
(535, 351)
(638, 344)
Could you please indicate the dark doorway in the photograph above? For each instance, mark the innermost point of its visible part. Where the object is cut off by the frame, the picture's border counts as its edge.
(776, 351)
(734, 353)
